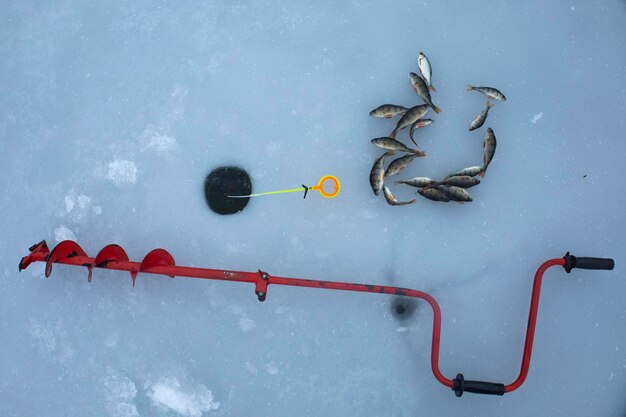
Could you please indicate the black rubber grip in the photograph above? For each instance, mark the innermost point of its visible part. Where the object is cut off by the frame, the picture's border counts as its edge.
(477, 387)
(595, 263)
(572, 262)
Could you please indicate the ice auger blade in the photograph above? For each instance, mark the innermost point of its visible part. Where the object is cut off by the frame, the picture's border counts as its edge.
(64, 250)
(157, 258)
(108, 254)
(38, 249)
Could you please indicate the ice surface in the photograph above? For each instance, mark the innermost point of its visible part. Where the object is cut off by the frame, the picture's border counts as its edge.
(122, 171)
(113, 113)
(63, 233)
(167, 394)
(536, 117)
(120, 395)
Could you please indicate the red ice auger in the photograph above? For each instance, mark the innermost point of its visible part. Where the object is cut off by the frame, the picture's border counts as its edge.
(160, 262)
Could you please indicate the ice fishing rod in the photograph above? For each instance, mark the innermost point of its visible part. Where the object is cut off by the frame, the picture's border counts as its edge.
(160, 262)
(326, 179)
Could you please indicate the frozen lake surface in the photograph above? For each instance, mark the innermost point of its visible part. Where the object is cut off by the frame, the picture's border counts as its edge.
(112, 114)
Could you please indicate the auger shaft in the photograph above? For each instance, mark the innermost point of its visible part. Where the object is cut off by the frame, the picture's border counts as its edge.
(160, 262)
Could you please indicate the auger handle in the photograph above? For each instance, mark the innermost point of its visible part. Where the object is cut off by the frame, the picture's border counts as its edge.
(476, 387)
(572, 262)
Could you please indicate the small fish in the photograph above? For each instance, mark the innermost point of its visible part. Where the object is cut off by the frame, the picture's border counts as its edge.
(489, 149)
(418, 182)
(425, 69)
(421, 88)
(377, 174)
(391, 144)
(463, 181)
(417, 125)
(411, 116)
(480, 119)
(388, 111)
(470, 172)
(455, 193)
(492, 93)
(433, 194)
(399, 164)
(391, 199)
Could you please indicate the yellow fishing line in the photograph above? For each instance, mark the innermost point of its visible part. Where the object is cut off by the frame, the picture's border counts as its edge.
(319, 187)
(293, 190)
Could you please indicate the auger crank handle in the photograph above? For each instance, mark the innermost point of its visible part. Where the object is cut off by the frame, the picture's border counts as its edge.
(477, 387)
(572, 262)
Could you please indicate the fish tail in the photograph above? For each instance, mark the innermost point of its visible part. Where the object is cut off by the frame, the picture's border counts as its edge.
(469, 87)
(419, 153)
(489, 104)
(393, 134)
(398, 182)
(435, 108)
(482, 172)
(432, 88)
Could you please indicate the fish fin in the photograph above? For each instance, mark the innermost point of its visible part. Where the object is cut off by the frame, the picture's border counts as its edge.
(489, 104)
(482, 172)
(436, 109)
(419, 153)
(432, 88)
(411, 133)
(460, 202)
(469, 87)
(398, 182)
(388, 116)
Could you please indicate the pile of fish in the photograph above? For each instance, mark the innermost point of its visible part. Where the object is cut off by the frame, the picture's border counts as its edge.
(452, 187)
